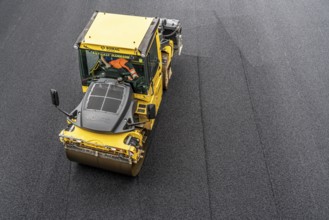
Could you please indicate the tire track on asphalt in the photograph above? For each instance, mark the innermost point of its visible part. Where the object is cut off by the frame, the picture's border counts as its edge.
(258, 129)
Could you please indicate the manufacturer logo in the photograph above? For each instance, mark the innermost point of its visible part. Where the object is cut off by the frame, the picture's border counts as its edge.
(109, 48)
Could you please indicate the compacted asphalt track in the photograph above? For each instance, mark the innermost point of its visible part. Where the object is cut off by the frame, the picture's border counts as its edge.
(242, 133)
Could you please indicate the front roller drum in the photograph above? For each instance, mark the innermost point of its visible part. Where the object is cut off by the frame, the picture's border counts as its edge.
(96, 159)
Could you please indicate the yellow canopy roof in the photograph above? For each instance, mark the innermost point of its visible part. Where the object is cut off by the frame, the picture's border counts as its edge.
(117, 31)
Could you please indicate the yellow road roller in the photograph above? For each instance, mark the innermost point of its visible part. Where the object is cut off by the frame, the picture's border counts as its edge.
(125, 64)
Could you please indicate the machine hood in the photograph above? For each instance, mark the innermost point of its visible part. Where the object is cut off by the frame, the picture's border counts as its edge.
(107, 107)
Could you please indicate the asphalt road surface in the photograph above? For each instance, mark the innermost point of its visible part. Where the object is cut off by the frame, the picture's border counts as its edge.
(242, 133)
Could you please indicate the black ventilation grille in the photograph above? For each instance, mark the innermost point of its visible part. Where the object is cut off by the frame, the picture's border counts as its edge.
(105, 97)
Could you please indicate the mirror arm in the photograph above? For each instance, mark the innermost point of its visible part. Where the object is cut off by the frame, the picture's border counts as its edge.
(64, 112)
(138, 123)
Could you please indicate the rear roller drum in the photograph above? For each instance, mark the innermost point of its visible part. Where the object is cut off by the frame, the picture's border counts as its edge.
(166, 76)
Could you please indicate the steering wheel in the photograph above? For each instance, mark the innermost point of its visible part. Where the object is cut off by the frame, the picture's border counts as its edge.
(137, 83)
(109, 72)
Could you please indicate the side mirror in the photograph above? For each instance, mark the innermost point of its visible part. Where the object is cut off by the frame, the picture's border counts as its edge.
(151, 111)
(54, 97)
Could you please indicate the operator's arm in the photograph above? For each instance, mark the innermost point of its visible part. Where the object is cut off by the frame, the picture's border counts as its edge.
(129, 66)
(104, 61)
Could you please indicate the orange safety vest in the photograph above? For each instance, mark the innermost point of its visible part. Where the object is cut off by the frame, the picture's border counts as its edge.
(121, 63)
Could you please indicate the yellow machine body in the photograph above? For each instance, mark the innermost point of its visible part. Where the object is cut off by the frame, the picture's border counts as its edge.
(126, 36)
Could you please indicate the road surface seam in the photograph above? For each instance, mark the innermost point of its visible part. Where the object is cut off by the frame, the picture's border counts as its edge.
(68, 190)
(203, 135)
(259, 134)
(140, 198)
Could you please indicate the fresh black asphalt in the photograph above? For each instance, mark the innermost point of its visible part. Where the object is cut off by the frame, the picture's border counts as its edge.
(242, 133)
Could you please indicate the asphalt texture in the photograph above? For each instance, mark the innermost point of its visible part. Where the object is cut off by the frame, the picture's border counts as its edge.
(242, 133)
